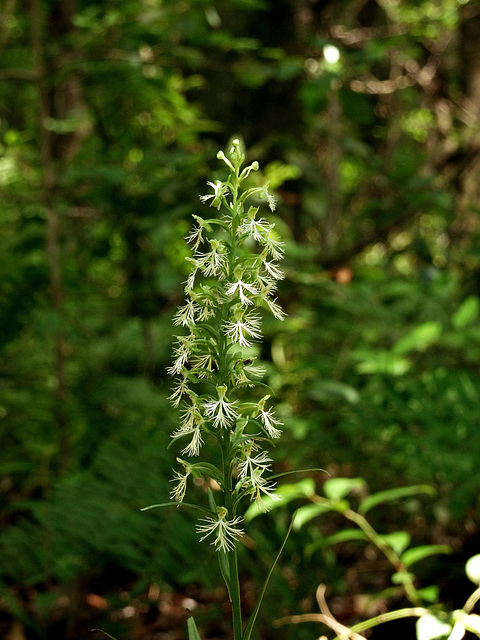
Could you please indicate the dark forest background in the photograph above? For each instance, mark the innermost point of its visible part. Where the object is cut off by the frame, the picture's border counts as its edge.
(365, 117)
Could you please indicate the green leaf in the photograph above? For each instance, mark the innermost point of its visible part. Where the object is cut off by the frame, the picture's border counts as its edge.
(338, 488)
(419, 339)
(382, 362)
(211, 501)
(192, 629)
(205, 468)
(429, 594)
(344, 536)
(472, 569)
(308, 512)
(398, 540)
(466, 313)
(224, 564)
(419, 553)
(394, 494)
(332, 389)
(251, 622)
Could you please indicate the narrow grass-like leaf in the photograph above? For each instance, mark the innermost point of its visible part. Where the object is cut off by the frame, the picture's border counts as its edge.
(104, 633)
(224, 564)
(338, 488)
(192, 629)
(178, 504)
(251, 622)
(211, 501)
(289, 473)
(205, 468)
(394, 494)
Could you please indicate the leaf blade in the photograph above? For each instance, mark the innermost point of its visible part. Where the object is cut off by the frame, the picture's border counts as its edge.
(394, 494)
(192, 629)
(410, 556)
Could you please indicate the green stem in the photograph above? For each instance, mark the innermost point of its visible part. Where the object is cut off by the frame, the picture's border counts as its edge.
(415, 612)
(392, 557)
(225, 365)
(235, 595)
(372, 535)
(232, 558)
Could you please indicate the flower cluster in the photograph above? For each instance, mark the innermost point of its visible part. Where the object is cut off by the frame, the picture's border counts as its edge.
(234, 271)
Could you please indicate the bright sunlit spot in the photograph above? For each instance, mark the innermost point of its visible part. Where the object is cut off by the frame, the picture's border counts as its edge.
(331, 53)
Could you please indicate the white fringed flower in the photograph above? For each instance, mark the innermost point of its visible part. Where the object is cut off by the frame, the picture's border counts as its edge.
(220, 411)
(251, 471)
(270, 199)
(241, 288)
(268, 419)
(243, 329)
(269, 422)
(219, 190)
(234, 270)
(186, 315)
(178, 492)
(191, 425)
(193, 448)
(247, 373)
(225, 531)
(187, 422)
(196, 234)
(276, 309)
(190, 283)
(181, 354)
(274, 245)
(204, 365)
(272, 269)
(179, 391)
(258, 229)
(214, 262)
(254, 466)
(262, 490)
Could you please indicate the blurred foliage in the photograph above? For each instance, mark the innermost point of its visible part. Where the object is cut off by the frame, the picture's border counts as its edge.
(364, 115)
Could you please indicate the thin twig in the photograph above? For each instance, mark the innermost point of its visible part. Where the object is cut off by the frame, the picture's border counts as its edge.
(325, 617)
(343, 632)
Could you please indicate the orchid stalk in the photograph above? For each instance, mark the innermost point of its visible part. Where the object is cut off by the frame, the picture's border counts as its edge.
(234, 271)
